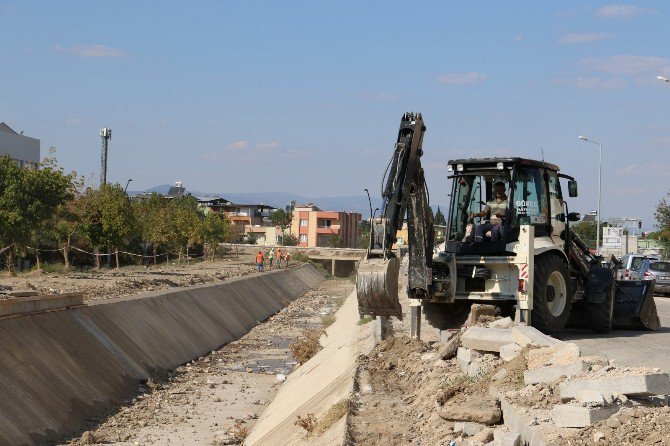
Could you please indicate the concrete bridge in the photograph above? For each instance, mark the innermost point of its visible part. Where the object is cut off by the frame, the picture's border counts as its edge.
(340, 262)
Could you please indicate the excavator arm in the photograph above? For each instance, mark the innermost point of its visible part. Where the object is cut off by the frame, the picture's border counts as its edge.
(404, 193)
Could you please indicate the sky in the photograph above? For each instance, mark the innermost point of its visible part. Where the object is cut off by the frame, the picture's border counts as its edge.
(306, 97)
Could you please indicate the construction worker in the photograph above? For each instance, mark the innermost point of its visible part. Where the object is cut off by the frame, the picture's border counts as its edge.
(278, 258)
(259, 261)
(287, 257)
(272, 257)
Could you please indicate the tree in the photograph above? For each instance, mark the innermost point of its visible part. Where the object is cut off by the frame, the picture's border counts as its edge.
(215, 229)
(334, 241)
(282, 219)
(289, 240)
(28, 199)
(108, 219)
(439, 218)
(153, 222)
(662, 215)
(587, 231)
(185, 223)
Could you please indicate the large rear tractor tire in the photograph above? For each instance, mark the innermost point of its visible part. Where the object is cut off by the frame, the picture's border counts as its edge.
(552, 297)
(445, 316)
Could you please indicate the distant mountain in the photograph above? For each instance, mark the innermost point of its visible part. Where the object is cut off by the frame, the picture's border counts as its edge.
(352, 203)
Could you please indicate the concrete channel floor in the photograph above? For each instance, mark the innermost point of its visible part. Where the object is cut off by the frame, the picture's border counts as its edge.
(630, 348)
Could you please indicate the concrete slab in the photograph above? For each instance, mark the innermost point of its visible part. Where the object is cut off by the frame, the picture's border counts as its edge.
(486, 339)
(570, 415)
(532, 432)
(631, 385)
(510, 351)
(552, 373)
(317, 385)
(38, 303)
(525, 335)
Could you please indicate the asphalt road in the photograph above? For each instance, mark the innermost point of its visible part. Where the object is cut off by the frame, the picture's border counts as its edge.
(630, 348)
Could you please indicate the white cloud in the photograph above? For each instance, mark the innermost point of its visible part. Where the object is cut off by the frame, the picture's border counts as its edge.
(238, 145)
(589, 82)
(377, 96)
(517, 38)
(92, 51)
(73, 121)
(472, 77)
(572, 39)
(622, 11)
(626, 64)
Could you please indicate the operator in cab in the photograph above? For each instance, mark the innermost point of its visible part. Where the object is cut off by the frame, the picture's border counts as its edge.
(494, 211)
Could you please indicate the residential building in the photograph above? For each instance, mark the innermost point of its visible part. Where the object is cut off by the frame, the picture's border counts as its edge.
(315, 227)
(24, 150)
(241, 216)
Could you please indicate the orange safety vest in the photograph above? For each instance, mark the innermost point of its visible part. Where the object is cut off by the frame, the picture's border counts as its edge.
(259, 258)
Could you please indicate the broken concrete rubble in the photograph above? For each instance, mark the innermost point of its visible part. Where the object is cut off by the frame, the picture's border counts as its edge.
(574, 415)
(486, 339)
(552, 373)
(510, 351)
(525, 335)
(631, 385)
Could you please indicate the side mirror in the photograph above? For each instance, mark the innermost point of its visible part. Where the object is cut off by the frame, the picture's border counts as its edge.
(572, 188)
(574, 216)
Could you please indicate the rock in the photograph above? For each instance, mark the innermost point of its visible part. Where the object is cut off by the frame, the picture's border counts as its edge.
(281, 377)
(88, 438)
(449, 349)
(597, 436)
(479, 310)
(483, 436)
(485, 414)
(525, 335)
(500, 374)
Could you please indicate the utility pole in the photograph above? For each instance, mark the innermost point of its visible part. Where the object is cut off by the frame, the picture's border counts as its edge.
(106, 135)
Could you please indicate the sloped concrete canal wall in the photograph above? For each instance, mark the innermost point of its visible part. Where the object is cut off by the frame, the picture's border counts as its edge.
(59, 369)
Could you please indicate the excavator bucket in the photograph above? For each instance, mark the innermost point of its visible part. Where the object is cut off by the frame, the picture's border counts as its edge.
(377, 287)
(634, 306)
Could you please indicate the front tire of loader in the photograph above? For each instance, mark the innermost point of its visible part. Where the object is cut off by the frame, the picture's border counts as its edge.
(552, 297)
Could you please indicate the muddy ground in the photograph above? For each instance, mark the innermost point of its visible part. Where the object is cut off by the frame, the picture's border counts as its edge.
(216, 399)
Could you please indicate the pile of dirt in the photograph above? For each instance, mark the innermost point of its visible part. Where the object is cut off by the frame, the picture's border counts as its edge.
(411, 388)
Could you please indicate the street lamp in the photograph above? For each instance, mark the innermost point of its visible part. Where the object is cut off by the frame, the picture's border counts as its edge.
(600, 172)
(664, 79)
(127, 183)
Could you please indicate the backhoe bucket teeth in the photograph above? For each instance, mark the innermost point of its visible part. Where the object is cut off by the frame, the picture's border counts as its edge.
(634, 306)
(377, 287)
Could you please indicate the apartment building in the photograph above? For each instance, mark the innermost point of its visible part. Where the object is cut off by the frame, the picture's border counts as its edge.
(241, 216)
(315, 227)
(24, 150)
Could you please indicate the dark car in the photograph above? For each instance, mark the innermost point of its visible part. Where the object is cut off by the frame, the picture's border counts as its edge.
(659, 270)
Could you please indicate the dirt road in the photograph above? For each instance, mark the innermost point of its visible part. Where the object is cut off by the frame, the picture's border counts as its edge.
(128, 280)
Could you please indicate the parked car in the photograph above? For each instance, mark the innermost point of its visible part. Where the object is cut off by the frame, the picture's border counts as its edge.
(658, 270)
(631, 264)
